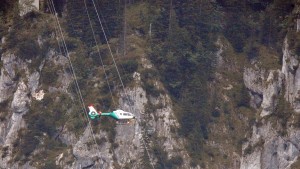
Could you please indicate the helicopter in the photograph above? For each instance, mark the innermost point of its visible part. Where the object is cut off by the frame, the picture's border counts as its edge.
(121, 116)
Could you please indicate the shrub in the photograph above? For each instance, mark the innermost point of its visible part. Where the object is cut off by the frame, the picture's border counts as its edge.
(4, 109)
(27, 144)
(252, 53)
(215, 113)
(130, 66)
(127, 78)
(72, 44)
(149, 74)
(49, 76)
(248, 150)
(174, 161)
(50, 165)
(237, 33)
(106, 102)
(101, 140)
(115, 145)
(28, 48)
(43, 117)
(161, 155)
(4, 152)
(151, 89)
(297, 50)
(240, 96)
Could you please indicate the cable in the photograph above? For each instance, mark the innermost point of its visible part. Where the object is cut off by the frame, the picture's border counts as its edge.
(60, 47)
(98, 50)
(110, 51)
(119, 73)
(75, 79)
(56, 31)
(65, 49)
(69, 59)
(57, 38)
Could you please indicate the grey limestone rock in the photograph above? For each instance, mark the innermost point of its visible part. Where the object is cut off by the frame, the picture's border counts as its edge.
(291, 71)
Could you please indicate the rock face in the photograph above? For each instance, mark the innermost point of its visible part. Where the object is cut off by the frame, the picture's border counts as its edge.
(129, 144)
(130, 147)
(27, 6)
(291, 71)
(19, 104)
(264, 91)
(91, 156)
(268, 148)
(271, 145)
(253, 79)
(18, 87)
(7, 85)
(21, 99)
(271, 92)
(136, 98)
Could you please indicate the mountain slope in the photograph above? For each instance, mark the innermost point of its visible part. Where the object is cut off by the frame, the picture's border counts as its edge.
(213, 84)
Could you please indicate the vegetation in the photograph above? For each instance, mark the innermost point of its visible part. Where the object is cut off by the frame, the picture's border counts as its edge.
(8, 10)
(43, 121)
(179, 37)
(4, 109)
(77, 24)
(4, 152)
(182, 43)
(24, 41)
(296, 164)
(162, 157)
(283, 113)
(251, 148)
(49, 75)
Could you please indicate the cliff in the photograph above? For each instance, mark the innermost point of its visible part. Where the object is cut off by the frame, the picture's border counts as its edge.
(212, 89)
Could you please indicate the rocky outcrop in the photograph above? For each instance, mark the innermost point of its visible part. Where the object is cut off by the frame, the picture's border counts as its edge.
(28, 6)
(251, 161)
(271, 92)
(269, 148)
(7, 83)
(17, 71)
(19, 104)
(17, 85)
(291, 71)
(88, 154)
(263, 91)
(132, 141)
(129, 137)
(254, 79)
(21, 100)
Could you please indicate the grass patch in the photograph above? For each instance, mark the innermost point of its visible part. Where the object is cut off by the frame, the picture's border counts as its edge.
(138, 17)
(268, 58)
